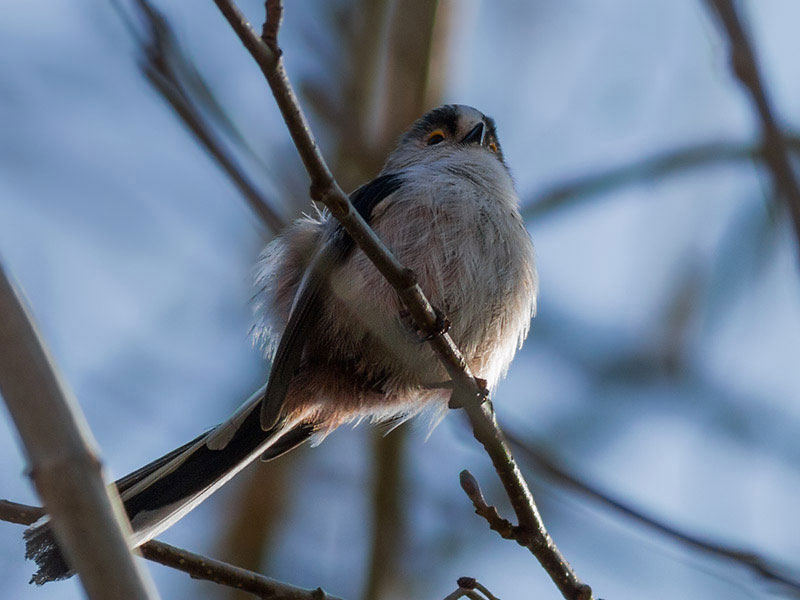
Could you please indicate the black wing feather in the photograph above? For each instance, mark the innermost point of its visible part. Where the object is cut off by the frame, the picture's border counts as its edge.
(305, 310)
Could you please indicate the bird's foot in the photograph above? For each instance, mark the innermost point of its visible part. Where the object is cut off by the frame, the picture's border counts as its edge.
(441, 326)
(483, 390)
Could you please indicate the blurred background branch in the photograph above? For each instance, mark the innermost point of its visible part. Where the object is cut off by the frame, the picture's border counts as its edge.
(775, 151)
(565, 194)
(260, 492)
(539, 459)
(174, 76)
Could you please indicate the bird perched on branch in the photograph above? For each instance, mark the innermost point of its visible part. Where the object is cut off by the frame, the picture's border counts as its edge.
(343, 349)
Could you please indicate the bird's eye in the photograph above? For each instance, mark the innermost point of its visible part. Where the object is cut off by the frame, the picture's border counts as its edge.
(492, 147)
(435, 137)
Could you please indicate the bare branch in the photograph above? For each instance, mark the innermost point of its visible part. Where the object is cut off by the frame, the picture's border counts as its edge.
(468, 392)
(745, 67)
(757, 564)
(569, 192)
(87, 517)
(199, 567)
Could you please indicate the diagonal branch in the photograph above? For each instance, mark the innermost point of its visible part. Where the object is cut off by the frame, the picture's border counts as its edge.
(467, 391)
(745, 67)
(759, 565)
(87, 518)
(197, 566)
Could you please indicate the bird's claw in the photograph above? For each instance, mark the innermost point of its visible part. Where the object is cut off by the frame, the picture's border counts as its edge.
(483, 394)
(441, 327)
(483, 389)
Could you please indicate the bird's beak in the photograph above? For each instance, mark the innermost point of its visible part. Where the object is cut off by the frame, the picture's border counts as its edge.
(475, 136)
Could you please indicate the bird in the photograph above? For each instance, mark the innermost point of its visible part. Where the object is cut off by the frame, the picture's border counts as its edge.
(342, 346)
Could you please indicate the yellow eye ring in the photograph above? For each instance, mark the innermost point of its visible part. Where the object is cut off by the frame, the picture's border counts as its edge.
(492, 147)
(435, 137)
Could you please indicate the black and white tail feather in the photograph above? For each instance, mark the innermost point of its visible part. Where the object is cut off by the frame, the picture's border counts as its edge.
(160, 493)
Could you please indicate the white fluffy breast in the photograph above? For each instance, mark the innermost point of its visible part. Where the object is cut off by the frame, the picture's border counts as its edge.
(456, 223)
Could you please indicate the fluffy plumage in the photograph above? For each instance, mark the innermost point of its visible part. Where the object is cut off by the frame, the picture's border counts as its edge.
(342, 350)
(453, 218)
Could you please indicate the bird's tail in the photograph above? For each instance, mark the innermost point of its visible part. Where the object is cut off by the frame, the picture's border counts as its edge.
(160, 493)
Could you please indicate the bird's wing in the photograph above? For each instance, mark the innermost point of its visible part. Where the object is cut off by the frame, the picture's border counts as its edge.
(305, 309)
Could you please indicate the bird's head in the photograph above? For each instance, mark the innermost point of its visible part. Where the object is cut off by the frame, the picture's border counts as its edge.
(443, 132)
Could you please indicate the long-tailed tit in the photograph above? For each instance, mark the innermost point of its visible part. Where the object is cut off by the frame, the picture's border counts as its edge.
(342, 347)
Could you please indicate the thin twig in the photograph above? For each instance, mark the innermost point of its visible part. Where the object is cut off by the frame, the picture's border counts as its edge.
(466, 589)
(483, 590)
(470, 583)
(468, 392)
(759, 565)
(209, 569)
(87, 517)
(745, 67)
(463, 593)
(199, 567)
(567, 193)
